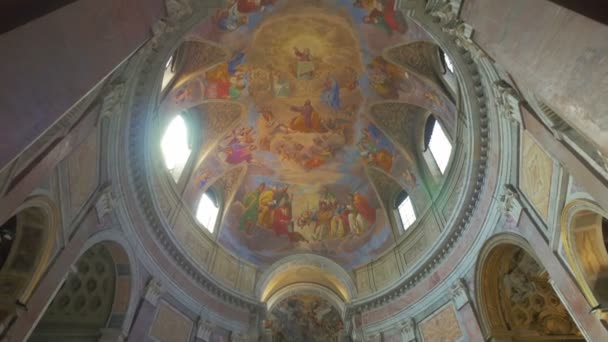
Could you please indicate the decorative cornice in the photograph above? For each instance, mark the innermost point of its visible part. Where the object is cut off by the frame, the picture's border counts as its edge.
(465, 54)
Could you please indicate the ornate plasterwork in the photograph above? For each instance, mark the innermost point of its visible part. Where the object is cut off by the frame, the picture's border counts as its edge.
(408, 330)
(197, 56)
(104, 204)
(204, 329)
(418, 56)
(508, 101)
(402, 122)
(511, 203)
(459, 293)
(154, 290)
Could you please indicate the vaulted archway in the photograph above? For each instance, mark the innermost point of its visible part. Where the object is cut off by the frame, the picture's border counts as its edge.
(516, 300)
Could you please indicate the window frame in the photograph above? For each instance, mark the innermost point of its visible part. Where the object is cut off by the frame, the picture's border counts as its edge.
(211, 195)
(400, 199)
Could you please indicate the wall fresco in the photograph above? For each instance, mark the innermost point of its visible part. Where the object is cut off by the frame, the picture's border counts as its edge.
(304, 318)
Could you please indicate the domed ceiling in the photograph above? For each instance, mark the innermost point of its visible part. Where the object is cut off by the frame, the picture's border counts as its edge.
(281, 93)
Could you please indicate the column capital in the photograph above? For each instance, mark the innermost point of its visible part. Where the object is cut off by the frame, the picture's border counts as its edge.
(154, 290)
(459, 293)
(408, 330)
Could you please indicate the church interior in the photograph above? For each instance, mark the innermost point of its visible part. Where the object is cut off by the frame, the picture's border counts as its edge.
(303, 170)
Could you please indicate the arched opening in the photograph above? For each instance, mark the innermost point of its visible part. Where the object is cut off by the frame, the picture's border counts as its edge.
(208, 210)
(175, 146)
(26, 240)
(304, 317)
(516, 300)
(405, 210)
(92, 301)
(437, 143)
(585, 234)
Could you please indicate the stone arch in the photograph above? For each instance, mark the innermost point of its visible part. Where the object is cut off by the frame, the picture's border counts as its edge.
(34, 224)
(515, 299)
(96, 299)
(299, 268)
(584, 228)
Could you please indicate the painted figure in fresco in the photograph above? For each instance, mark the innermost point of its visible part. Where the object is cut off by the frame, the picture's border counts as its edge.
(384, 15)
(331, 93)
(251, 6)
(251, 204)
(305, 68)
(373, 150)
(203, 179)
(352, 78)
(236, 13)
(227, 80)
(266, 208)
(282, 220)
(240, 146)
(307, 121)
(229, 18)
(385, 78)
(362, 215)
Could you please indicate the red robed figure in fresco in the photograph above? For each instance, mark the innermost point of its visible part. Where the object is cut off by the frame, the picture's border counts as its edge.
(362, 206)
(282, 218)
(250, 6)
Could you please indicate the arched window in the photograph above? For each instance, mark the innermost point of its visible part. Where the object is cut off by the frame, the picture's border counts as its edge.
(447, 62)
(208, 210)
(438, 143)
(175, 146)
(405, 209)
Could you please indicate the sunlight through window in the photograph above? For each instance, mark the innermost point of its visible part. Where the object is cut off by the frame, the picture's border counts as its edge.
(169, 73)
(174, 145)
(406, 212)
(207, 212)
(440, 147)
(448, 63)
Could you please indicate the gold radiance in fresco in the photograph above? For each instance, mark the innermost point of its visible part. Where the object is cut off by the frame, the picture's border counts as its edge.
(306, 72)
(304, 318)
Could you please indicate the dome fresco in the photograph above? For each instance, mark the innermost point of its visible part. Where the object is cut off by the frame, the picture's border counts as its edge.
(282, 92)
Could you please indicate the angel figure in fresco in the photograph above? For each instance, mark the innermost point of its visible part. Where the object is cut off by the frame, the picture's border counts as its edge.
(305, 68)
(240, 146)
(362, 215)
(383, 14)
(373, 150)
(308, 119)
(330, 94)
(251, 204)
(385, 78)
